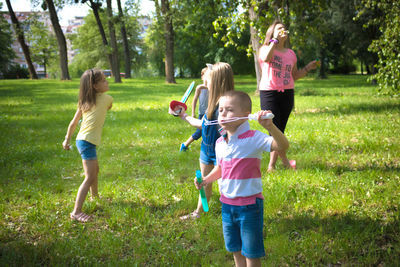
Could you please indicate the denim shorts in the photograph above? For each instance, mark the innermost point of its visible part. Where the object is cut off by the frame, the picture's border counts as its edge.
(243, 229)
(86, 149)
(207, 156)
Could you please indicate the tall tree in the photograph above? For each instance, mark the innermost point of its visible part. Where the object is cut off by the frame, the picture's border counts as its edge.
(112, 53)
(255, 41)
(62, 44)
(88, 42)
(95, 5)
(7, 54)
(164, 14)
(21, 40)
(194, 41)
(89, 53)
(113, 40)
(43, 42)
(125, 42)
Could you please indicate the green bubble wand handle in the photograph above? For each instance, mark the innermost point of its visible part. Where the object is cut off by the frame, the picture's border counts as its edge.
(202, 192)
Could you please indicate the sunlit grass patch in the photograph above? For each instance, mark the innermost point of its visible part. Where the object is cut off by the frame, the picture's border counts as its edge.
(341, 207)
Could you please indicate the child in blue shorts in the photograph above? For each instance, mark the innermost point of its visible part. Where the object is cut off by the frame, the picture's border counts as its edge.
(93, 105)
(219, 80)
(238, 154)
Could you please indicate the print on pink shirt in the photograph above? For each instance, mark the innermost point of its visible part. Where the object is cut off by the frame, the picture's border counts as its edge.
(276, 64)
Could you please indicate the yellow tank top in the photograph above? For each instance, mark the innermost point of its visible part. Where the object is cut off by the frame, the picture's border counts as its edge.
(93, 120)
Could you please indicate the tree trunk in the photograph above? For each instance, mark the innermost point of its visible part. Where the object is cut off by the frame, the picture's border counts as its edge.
(62, 44)
(113, 40)
(125, 43)
(322, 69)
(255, 44)
(169, 42)
(21, 40)
(95, 7)
(362, 68)
(373, 72)
(44, 64)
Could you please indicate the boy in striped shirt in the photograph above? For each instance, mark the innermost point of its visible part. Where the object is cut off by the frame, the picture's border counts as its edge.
(238, 155)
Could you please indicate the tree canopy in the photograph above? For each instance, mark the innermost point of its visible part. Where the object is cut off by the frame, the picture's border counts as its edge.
(6, 52)
(43, 43)
(384, 15)
(347, 36)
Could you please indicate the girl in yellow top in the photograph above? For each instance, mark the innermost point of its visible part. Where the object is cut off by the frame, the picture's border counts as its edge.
(92, 106)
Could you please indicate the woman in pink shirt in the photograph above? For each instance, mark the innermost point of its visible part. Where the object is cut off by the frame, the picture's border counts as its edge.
(279, 71)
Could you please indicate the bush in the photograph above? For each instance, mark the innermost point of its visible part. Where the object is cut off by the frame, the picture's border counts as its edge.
(16, 72)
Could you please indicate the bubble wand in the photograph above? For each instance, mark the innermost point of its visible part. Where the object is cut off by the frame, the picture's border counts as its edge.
(176, 107)
(250, 117)
(202, 192)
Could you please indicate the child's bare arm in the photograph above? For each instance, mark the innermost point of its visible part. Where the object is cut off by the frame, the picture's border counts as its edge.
(195, 98)
(191, 120)
(215, 174)
(280, 141)
(266, 52)
(71, 128)
(298, 74)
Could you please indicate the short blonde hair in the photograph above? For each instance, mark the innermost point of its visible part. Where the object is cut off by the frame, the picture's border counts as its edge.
(243, 98)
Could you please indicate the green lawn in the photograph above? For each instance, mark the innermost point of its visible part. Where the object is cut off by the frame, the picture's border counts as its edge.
(341, 207)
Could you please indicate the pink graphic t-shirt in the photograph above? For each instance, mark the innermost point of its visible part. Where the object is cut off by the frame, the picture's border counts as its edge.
(277, 73)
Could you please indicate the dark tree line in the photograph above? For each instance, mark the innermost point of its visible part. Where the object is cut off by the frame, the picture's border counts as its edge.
(185, 34)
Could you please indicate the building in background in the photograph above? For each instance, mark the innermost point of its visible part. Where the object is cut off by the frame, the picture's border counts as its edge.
(71, 28)
(144, 22)
(43, 17)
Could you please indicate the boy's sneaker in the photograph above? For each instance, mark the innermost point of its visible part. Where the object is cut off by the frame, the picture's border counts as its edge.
(183, 148)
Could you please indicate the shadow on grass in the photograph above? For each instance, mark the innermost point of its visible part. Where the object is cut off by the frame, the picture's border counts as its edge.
(348, 238)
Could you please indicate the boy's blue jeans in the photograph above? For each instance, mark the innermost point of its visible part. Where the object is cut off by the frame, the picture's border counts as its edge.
(243, 228)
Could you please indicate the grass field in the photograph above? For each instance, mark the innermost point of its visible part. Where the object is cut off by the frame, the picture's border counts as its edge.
(341, 207)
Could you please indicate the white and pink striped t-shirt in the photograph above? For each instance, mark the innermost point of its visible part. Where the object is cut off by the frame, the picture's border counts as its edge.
(240, 159)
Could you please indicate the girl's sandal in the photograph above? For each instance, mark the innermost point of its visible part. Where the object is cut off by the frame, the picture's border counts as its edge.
(193, 215)
(81, 217)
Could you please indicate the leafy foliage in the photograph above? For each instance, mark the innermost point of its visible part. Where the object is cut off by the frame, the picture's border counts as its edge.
(387, 46)
(88, 43)
(318, 29)
(195, 40)
(6, 52)
(43, 43)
